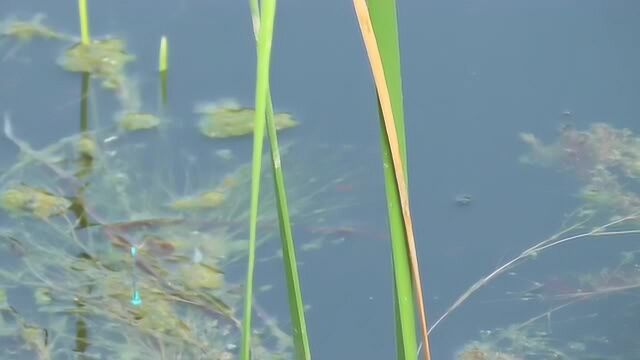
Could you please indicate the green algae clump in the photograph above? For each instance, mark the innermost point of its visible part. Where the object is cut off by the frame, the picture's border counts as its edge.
(105, 59)
(228, 119)
(38, 202)
(133, 121)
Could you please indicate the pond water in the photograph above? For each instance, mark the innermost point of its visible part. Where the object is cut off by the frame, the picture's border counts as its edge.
(520, 125)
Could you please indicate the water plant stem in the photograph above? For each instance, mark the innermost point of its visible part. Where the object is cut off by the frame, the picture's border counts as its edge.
(84, 22)
(163, 67)
(296, 305)
(265, 37)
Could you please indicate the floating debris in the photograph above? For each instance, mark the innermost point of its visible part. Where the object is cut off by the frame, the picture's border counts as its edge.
(463, 199)
(228, 119)
(105, 59)
(224, 154)
(133, 121)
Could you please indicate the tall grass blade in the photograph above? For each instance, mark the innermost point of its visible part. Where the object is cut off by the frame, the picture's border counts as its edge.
(163, 67)
(84, 21)
(265, 37)
(384, 58)
(296, 305)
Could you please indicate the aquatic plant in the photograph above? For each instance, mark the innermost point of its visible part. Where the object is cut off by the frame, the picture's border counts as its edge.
(163, 68)
(228, 119)
(94, 219)
(104, 59)
(132, 121)
(27, 30)
(603, 159)
(384, 58)
(294, 292)
(111, 236)
(81, 274)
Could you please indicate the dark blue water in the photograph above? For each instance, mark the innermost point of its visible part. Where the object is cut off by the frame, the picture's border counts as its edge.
(475, 74)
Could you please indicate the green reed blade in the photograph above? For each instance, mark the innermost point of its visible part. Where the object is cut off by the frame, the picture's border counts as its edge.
(163, 68)
(296, 305)
(84, 21)
(379, 29)
(163, 61)
(403, 295)
(265, 37)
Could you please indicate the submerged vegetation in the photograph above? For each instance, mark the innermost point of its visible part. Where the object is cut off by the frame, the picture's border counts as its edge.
(581, 312)
(79, 277)
(121, 243)
(26, 30)
(108, 253)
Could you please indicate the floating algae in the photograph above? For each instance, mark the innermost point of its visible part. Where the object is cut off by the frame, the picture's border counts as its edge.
(36, 201)
(200, 276)
(105, 59)
(207, 200)
(228, 119)
(26, 30)
(188, 303)
(133, 121)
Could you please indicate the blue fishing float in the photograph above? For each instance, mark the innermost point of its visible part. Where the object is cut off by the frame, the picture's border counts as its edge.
(136, 299)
